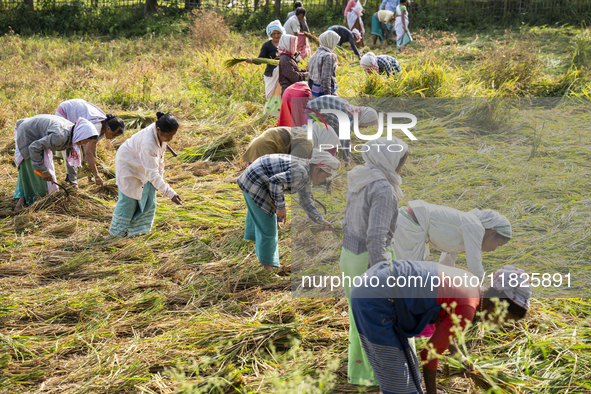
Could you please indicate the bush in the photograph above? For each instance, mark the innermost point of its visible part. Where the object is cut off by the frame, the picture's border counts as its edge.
(77, 18)
(208, 29)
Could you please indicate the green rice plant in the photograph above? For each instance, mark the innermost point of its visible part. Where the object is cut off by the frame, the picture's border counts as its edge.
(221, 148)
(581, 49)
(231, 62)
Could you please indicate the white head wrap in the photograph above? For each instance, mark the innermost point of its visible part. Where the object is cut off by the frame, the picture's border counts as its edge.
(329, 39)
(382, 157)
(367, 116)
(325, 161)
(356, 33)
(492, 220)
(508, 276)
(369, 61)
(84, 129)
(324, 136)
(274, 26)
(288, 44)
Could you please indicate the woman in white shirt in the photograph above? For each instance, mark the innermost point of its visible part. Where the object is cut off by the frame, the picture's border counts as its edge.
(139, 167)
(450, 231)
(108, 127)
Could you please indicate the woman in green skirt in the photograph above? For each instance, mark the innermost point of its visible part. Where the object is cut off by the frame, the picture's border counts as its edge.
(373, 191)
(36, 139)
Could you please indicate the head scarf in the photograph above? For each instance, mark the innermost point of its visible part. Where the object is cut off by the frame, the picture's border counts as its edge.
(492, 220)
(325, 161)
(274, 26)
(324, 136)
(82, 130)
(367, 116)
(329, 40)
(508, 276)
(369, 61)
(380, 163)
(356, 33)
(288, 44)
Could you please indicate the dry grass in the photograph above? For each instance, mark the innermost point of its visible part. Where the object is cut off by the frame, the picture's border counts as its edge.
(208, 30)
(187, 306)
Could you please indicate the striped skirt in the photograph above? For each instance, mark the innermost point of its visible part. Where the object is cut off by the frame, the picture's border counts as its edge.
(133, 217)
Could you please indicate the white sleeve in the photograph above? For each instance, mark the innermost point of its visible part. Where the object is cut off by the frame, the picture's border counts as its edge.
(473, 243)
(448, 259)
(153, 165)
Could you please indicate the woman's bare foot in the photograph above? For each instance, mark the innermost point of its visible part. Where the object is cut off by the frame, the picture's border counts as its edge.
(20, 205)
(268, 268)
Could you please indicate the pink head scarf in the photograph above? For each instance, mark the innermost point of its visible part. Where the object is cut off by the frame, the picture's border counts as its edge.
(83, 130)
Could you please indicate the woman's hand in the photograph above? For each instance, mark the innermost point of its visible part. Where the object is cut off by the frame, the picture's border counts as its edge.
(47, 176)
(327, 225)
(282, 213)
(98, 180)
(248, 60)
(177, 200)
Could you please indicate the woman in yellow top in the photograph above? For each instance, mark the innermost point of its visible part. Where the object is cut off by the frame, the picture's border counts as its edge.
(401, 25)
(381, 24)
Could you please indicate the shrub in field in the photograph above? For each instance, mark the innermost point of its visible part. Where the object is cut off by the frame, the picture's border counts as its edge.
(208, 29)
(427, 80)
(511, 71)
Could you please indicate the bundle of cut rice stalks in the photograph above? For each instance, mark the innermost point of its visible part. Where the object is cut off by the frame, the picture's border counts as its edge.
(231, 62)
(76, 203)
(137, 120)
(492, 376)
(219, 149)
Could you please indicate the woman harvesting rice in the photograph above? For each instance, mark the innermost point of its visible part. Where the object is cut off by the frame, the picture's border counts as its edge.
(388, 315)
(451, 231)
(289, 72)
(139, 166)
(108, 126)
(382, 64)
(271, 76)
(36, 138)
(293, 103)
(323, 65)
(368, 228)
(286, 140)
(366, 116)
(381, 25)
(263, 184)
(353, 18)
(346, 35)
(401, 25)
(296, 25)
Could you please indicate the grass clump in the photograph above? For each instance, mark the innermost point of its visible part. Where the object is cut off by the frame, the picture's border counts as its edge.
(208, 29)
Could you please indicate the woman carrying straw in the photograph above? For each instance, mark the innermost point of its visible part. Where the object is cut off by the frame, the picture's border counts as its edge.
(289, 72)
(366, 117)
(353, 18)
(381, 64)
(451, 231)
(139, 166)
(381, 25)
(35, 140)
(280, 140)
(263, 184)
(322, 66)
(387, 315)
(293, 105)
(271, 76)
(368, 228)
(296, 25)
(401, 25)
(108, 126)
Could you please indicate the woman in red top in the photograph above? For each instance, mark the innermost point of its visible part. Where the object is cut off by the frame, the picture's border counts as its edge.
(395, 300)
(293, 103)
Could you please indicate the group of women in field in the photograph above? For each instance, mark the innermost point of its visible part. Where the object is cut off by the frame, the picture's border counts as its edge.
(289, 44)
(381, 239)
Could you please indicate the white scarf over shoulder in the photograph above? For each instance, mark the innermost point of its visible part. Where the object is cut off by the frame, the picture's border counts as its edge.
(382, 157)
